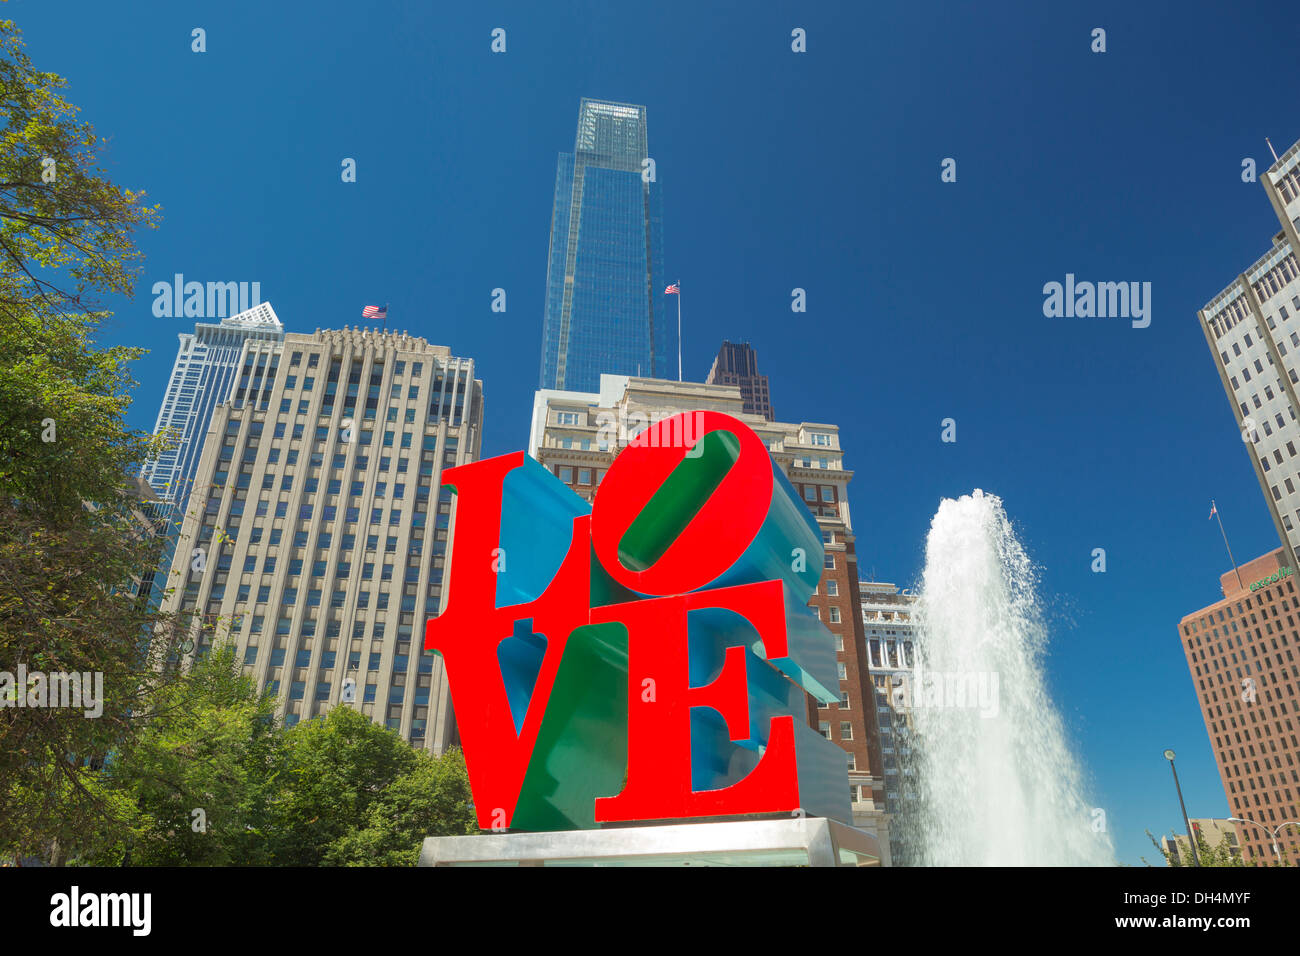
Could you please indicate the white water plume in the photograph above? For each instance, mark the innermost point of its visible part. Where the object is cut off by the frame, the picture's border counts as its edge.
(997, 783)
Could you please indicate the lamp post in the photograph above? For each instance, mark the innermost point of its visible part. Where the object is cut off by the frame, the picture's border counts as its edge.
(1272, 833)
(1191, 840)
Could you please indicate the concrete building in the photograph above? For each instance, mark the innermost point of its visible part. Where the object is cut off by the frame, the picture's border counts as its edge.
(1214, 831)
(205, 367)
(737, 364)
(1253, 330)
(576, 435)
(890, 631)
(206, 364)
(317, 534)
(1242, 655)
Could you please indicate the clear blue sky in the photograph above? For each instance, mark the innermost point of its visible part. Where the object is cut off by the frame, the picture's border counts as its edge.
(779, 170)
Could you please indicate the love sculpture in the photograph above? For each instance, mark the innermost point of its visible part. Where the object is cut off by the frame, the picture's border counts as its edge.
(645, 657)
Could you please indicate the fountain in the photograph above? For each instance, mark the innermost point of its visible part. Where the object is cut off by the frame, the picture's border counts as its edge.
(996, 782)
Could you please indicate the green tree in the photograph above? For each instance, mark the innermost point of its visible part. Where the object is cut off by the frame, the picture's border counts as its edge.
(431, 799)
(200, 776)
(65, 229)
(74, 539)
(1221, 854)
(336, 768)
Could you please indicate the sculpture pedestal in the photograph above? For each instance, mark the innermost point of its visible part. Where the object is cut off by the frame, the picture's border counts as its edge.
(811, 841)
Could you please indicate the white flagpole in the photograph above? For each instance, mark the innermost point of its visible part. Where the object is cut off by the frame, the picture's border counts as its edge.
(1214, 508)
(679, 330)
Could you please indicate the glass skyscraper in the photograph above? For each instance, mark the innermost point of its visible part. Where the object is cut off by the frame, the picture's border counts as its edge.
(605, 307)
(207, 362)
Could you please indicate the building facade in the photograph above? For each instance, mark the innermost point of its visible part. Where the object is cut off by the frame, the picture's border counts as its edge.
(1214, 831)
(1242, 655)
(605, 305)
(205, 366)
(576, 436)
(892, 644)
(317, 536)
(737, 364)
(1253, 330)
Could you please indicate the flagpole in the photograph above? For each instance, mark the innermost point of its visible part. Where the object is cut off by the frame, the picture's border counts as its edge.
(679, 330)
(1215, 509)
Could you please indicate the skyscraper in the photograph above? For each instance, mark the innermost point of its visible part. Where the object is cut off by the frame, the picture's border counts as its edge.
(605, 307)
(889, 629)
(737, 364)
(1253, 330)
(1241, 654)
(205, 366)
(317, 534)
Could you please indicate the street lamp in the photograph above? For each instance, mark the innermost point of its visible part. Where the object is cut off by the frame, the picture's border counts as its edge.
(1273, 833)
(1191, 840)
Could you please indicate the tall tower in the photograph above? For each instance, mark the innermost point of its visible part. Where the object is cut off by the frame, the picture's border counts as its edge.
(1241, 656)
(323, 528)
(206, 364)
(1241, 650)
(605, 307)
(737, 364)
(1253, 330)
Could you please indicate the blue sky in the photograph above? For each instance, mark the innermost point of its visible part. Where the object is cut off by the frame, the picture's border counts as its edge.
(820, 171)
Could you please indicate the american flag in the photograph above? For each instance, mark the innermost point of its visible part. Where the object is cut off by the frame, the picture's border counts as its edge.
(672, 290)
(1213, 510)
(375, 312)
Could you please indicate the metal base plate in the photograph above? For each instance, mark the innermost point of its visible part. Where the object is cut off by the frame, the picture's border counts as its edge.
(799, 841)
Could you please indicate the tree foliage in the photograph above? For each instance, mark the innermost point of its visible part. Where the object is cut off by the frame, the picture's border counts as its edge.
(65, 228)
(179, 767)
(1221, 854)
(74, 538)
(199, 778)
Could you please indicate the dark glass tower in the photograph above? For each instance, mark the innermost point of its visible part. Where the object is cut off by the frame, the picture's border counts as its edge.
(605, 306)
(737, 364)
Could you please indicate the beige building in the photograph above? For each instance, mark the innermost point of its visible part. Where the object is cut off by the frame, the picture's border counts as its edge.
(316, 533)
(577, 434)
(1214, 831)
(1253, 330)
(891, 638)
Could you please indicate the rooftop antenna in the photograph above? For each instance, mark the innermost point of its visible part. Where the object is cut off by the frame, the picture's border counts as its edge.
(1271, 149)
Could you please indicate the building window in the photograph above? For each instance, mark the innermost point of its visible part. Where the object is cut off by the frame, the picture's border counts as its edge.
(566, 418)
(833, 588)
(566, 475)
(846, 730)
(835, 615)
(825, 728)
(829, 562)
